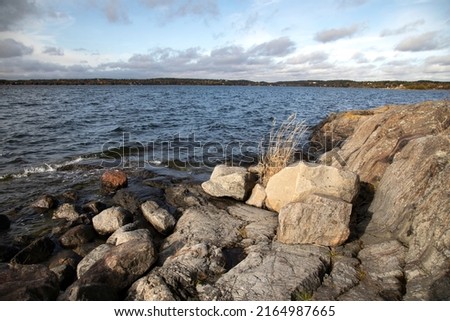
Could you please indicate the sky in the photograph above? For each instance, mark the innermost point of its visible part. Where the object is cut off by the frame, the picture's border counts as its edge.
(259, 40)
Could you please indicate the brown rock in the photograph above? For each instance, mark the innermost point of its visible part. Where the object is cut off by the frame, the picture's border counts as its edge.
(114, 179)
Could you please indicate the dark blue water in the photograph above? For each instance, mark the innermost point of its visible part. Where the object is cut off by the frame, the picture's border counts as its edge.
(48, 133)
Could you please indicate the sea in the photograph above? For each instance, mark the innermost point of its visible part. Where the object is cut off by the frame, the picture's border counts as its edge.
(58, 139)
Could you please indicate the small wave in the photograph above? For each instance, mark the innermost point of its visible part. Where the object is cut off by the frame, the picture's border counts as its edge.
(40, 169)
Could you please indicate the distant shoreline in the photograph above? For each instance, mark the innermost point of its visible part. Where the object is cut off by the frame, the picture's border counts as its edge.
(388, 84)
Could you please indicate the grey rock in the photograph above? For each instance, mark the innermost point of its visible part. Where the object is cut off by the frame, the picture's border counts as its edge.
(94, 207)
(27, 283)
(123, 237)
(383, 263)
(66, 211)
(377, 138)
(259, 225)
(117, 270)
(159, 217)
(111, 219)
(411, 205)
(77, 235)
(95, 255)
(192, 264)
(317, 219)
(46, 202)
(227, 181)
(275, 272)
(205, 224)
(150, 288)
(345, 275)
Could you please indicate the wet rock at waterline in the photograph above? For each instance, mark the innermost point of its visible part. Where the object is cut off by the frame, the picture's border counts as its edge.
(114, 179)
(46, 202)
(66, 211)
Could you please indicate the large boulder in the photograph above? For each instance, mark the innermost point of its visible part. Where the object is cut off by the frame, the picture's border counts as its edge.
(317, 219)
(229, 181)
(295, 182)
(109, 220)
(27, 283)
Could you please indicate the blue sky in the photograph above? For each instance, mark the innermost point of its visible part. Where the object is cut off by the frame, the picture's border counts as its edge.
(271, 40)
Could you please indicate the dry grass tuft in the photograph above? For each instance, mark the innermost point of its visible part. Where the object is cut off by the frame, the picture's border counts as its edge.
(278, 152)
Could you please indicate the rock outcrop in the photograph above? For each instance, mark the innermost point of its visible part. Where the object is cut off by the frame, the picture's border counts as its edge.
(402, 154)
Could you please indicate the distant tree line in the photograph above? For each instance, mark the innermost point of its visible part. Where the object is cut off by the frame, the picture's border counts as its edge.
(421, 84)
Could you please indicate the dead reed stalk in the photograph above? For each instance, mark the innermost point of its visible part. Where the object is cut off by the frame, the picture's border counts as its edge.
(278, 152)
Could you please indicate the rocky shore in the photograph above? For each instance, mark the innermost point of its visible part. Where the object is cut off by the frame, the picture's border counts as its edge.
(368, 220)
